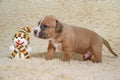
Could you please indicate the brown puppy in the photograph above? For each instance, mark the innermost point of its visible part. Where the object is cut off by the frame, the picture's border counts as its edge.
(70, 39)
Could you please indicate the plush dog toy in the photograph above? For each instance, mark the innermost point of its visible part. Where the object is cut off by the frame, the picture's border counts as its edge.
(21, 47)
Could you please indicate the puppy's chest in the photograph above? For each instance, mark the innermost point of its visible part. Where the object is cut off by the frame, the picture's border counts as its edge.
(57, 45)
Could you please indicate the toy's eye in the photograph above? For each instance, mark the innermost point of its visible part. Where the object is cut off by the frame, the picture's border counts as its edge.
(21, 37)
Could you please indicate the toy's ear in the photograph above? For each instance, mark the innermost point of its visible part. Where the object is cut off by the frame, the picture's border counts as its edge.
(26, 29)
(59, 27)
(14, 36)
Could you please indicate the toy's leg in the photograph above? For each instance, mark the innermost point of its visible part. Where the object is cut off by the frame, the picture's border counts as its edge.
(27, 55)
(13, 54)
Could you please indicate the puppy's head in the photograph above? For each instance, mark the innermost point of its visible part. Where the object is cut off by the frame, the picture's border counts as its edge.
(48, 27)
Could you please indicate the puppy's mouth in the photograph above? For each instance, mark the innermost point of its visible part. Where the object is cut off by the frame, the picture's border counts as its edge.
(42, 36)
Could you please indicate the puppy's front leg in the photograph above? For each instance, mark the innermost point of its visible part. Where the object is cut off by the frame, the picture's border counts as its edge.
(67, 54)
(51, 51)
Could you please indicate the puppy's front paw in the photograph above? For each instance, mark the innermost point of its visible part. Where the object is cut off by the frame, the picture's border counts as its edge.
(66, 60)
(48, 57)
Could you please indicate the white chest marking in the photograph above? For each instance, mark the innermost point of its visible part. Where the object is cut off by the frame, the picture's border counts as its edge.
(57, 45)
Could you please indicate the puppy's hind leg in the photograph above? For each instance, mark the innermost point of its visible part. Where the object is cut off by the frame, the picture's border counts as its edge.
(96, 49)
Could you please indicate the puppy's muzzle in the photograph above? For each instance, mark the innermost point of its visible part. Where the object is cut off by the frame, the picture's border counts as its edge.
(36, 31)
(40, 33)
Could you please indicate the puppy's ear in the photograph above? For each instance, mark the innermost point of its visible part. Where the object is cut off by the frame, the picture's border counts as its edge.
(59, 27)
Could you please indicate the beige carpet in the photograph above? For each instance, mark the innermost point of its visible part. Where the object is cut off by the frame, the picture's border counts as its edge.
(101, 16)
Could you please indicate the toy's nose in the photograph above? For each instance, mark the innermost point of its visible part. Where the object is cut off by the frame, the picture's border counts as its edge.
(18, 40)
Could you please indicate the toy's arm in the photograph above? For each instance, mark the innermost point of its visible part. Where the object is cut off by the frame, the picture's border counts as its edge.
(12, 48)
(29, 49)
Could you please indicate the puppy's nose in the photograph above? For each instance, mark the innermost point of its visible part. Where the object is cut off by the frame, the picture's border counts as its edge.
(35, 31)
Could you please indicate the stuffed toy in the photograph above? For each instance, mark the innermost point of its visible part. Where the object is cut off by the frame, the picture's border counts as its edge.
(21, 47)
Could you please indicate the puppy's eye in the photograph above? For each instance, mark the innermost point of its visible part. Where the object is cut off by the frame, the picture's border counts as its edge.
(45, 26)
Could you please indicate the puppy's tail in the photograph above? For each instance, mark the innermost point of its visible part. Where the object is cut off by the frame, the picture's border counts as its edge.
(109, 47)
